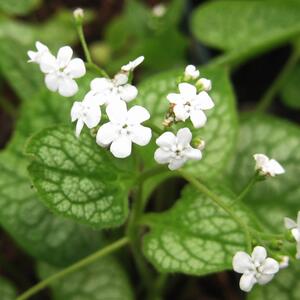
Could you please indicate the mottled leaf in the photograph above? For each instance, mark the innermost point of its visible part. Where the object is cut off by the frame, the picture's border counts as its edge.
(102, 280)
(194, 237)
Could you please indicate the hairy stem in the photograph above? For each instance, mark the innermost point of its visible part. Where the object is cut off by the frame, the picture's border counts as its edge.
(75, 267)
(269, 95)
(203, 189)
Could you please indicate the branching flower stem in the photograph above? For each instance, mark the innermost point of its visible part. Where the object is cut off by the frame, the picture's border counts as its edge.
(203, 189)
(75, 267)
(248, 187)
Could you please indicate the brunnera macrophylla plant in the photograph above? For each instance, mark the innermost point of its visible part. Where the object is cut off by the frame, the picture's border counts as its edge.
(87, 174)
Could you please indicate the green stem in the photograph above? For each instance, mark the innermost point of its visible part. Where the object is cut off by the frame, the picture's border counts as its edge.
(247, 188)
(269, 95)
(203, 189)
(78, 265)
(94, 68)
(134, 236)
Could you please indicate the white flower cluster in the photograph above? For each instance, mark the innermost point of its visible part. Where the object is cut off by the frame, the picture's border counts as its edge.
(60, 71)
(266, 166)
(190, 102)
(257, 268)
(124, 126)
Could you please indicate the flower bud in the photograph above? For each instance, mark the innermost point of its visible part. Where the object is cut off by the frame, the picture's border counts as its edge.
(191, 72)
(198, 143)
(159, 10)
(284, 262)
(204, 84)
(78, 14)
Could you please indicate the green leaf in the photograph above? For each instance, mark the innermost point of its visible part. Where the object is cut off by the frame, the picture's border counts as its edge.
(284, 286)
(260, 25)
(22, 215)
(78, 179)
(220, 131)
(291, 89)
(25, 79)
(17, 7)
(194, 237)
(277, 197)
(103, 280)
(7, 291)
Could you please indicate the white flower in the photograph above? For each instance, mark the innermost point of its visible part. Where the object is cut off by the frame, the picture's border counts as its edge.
(159, 10)
(266, 166)
(191, 72)
(284, 262)
(256, 268)
(189, 104)
(205, 84)
(295, 230)
(61, 70)
(124, 129)
(105, 91)
(85, 112)
(133, 64)
(176, 150)
(36, 57)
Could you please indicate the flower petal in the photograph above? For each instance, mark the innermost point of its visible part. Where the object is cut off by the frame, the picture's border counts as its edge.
(117, 112)
(261, 160)
(205, 102)
(166, 140)
(51, 81)
(187, 91)
(48, 63)
(176, 163)
(141, 135)
(175, 98)
(242, 262)
(289, 223)
(137, 114)
(93, 118)
(198, 118)
(121, 147)
(128, 92)
(101, 84)
(184, 136)
(259, 254)
(269, 266)
(64, 56)
(75, 111)
(106, 134)
(67, 87)
(162, 157)
(75, 68)
(79, 127)
(265, 278)
(41, 47)
(275, 167)
(247, 281)
(192, 153)
(296, 234)
(180, 112)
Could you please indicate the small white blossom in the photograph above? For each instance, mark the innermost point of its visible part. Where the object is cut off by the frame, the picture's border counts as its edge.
(257, 268)
(205, 84)
(133, 64)
(78, 13)
(191, 72)
(159, 10)
(124, 129)
(284, 262)
(105, 91)
(266, 166)
(295, 230)
(36, 56)
(176, 150)
(85, 112)
(189, 104)
(61, 70)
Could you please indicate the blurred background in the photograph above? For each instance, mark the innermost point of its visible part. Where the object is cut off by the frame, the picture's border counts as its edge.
(118, 31)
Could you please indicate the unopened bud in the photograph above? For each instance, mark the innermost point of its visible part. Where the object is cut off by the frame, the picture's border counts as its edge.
(78, 14)
(204, 84)
(284, 262)
(159, 10)
(191, 72)
(198, 143)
